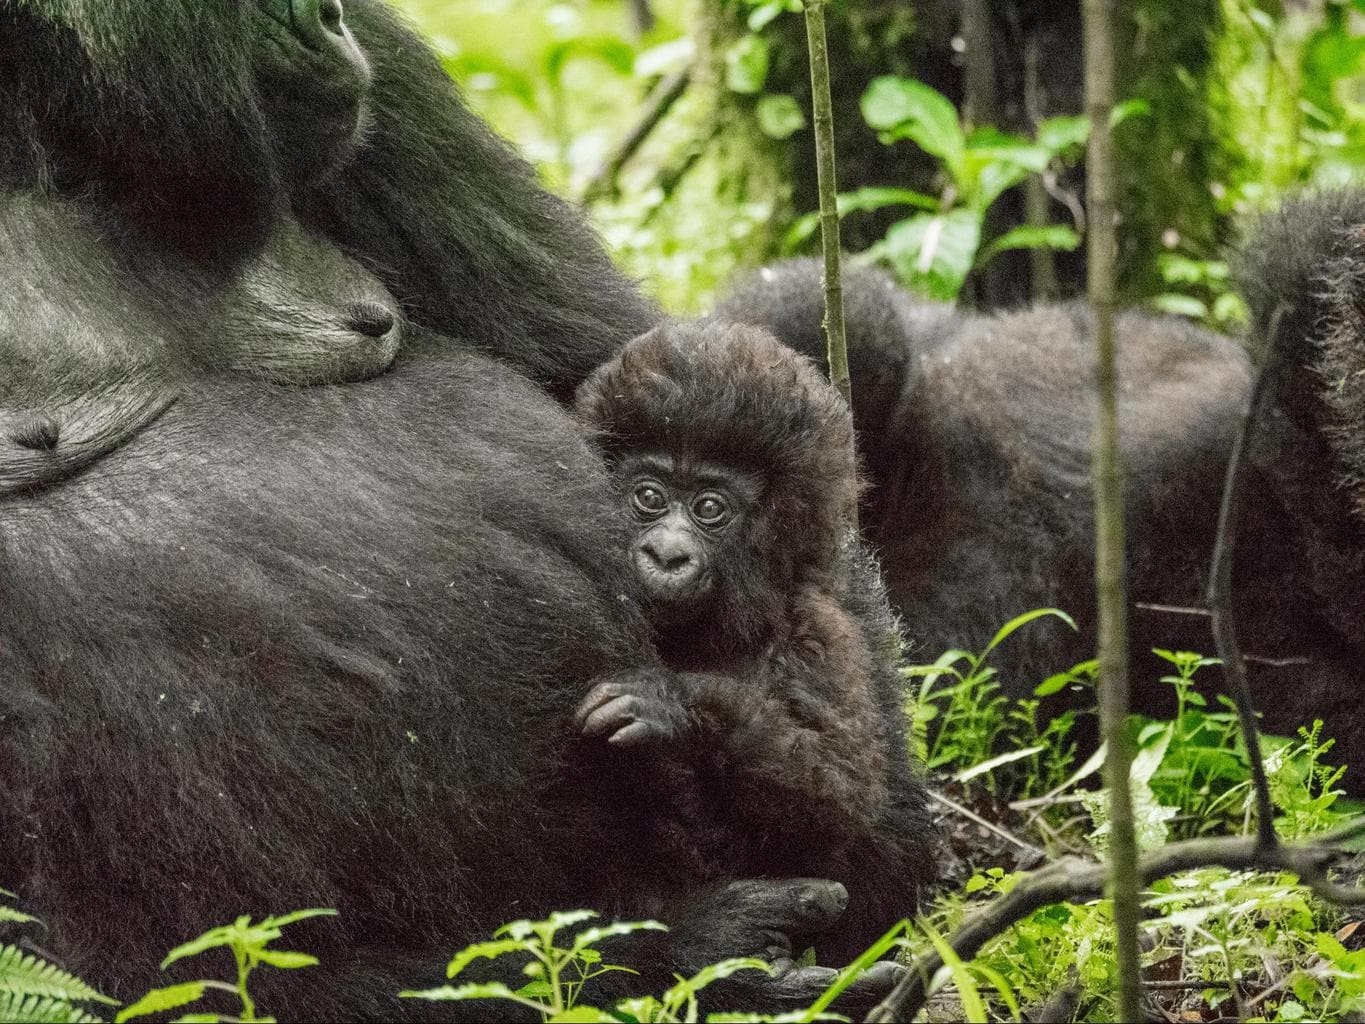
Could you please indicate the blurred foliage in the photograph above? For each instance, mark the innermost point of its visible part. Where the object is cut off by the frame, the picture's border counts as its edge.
(1243, 98)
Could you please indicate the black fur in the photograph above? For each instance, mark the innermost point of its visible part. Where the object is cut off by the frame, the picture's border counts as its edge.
(976, 431)
(267, 646)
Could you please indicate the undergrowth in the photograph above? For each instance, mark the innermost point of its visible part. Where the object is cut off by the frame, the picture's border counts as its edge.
(1219, 943)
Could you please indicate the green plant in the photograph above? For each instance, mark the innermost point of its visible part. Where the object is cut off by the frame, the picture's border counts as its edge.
(250, 947)
(933, 251)
(34, 991)
(960, 696)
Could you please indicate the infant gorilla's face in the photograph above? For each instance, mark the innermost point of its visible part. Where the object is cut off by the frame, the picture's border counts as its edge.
(691, 522)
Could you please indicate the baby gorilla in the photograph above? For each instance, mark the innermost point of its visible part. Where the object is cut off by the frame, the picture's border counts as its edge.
(779, 703)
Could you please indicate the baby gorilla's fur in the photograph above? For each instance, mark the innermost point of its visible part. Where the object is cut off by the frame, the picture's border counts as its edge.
(779, 701)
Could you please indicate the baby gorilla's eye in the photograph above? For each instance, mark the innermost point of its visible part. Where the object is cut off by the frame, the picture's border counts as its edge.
(709, 509)
(648, 500)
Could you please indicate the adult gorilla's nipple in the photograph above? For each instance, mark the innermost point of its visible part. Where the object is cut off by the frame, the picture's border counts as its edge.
(37, 431)
(370, 319)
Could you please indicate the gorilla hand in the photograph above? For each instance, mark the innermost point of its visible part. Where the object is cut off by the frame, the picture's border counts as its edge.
(636, 707)
(774, 920)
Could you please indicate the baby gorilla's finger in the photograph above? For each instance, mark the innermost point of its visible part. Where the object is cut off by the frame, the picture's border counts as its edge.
(633, 735)
(615, 714)
(597, 696)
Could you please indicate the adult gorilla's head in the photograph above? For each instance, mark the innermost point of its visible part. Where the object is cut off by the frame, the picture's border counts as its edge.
(192, 117)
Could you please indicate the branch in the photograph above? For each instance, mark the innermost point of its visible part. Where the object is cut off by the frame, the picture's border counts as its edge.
(657, 104)
(1220, 580)
(1074, 880)
(822, 116)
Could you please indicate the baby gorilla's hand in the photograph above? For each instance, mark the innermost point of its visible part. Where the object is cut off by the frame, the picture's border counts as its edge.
(635, 707)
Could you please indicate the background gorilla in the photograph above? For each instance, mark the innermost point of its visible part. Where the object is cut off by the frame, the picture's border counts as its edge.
(319, 646)
(779, 703)
(976, 433)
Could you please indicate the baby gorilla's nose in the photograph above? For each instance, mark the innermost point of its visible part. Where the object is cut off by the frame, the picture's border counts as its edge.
(666, 555)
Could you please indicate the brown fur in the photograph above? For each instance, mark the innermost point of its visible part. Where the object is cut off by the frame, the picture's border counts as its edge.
(799, 730)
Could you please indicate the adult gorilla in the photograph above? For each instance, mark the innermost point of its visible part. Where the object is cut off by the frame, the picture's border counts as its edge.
(976, 433)
(268, 646)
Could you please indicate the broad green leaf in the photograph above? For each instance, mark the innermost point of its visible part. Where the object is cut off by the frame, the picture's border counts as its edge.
(1058, 134)
(873, 197)
(1180, 305)
(158, 1000)
(779, 115)
(746, 65)
(905, 108)
(933, 253)
(1028, 236)
(763, 14)
(614, 53)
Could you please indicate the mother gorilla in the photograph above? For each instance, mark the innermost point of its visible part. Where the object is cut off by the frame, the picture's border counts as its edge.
(269, 646)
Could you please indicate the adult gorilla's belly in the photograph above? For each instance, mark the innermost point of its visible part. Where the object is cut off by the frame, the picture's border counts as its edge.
(338, 625)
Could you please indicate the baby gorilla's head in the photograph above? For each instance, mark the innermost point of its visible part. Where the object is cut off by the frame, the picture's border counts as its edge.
(734, 460)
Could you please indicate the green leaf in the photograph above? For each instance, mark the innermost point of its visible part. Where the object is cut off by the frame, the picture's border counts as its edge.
(1128, 109)
(746, 65)
(9, 914)
(763, 14)
(158, 1000)
(582, 1013)
(1059, 134)
(1180, 305)
(967, 774)
(932, 254)
(592, 936)
(614, 53)
(872, 197)
(779, 115)
(673, 55)
(286, 960)
(458, 993)
(905, 108)
(297, 915)
(211, 939)
(483, 951)
(1029, 236)
(1023, 620)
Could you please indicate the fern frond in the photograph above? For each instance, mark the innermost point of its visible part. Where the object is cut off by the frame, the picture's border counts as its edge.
(22, 974)
(21, 1009)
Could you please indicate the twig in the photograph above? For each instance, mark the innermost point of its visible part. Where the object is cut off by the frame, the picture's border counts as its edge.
(1071, 879)
(971, 816)
(1220, 582)
(657, 104)
(1173, 609)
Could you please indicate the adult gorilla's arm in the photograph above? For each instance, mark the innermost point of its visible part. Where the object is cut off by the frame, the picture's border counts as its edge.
(454, 222)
